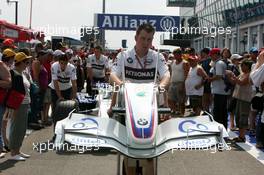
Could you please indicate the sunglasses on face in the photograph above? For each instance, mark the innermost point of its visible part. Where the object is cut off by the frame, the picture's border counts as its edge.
(26, 62)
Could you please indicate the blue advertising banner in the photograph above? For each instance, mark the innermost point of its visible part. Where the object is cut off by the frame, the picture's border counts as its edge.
(131, 22)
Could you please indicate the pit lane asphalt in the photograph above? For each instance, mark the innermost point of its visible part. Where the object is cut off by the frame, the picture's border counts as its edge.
(235, 162)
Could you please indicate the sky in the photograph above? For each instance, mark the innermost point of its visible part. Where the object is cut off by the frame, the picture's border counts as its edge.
(72, 14)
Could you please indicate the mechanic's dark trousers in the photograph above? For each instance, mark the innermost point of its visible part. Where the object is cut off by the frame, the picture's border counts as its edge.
(66, 94)
(90, 85)
(220, 109)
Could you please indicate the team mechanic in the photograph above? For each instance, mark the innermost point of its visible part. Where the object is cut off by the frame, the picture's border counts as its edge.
(97, 67)
(140, 67)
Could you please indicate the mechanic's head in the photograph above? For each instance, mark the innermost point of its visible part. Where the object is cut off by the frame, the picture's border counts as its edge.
(97, 51)
(144, 37)
(63, 61)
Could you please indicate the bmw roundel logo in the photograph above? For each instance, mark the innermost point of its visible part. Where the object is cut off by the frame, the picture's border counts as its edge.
(129, 60)
(142, 122)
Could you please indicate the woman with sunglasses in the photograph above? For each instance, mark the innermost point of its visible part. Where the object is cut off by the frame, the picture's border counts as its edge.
(18, 115)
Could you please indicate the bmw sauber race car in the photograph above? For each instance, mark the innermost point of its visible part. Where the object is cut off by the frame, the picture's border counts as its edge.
(140, 136)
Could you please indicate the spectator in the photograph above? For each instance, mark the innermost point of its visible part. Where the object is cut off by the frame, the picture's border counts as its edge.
(38, 47)
(47, 97)
(205, 63)
(176, 92)
(8, 60)
(253, 113)
(234, 67)
(242, 93)
(218, 87)
(69, 54)
(226, 54)
(253, 54)
(79, 73)
(41, 78)
(9, 44)
(18, 117)
(61, 46)
(257, 78)
(257, 103)
(5, 82)
(194, 84)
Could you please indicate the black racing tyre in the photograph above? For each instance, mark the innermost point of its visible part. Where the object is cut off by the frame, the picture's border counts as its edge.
(63, 108)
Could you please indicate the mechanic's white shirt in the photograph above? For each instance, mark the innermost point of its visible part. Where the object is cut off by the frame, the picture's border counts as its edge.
(64, 77)
(134, 72)
(1, 56)
(98, 66)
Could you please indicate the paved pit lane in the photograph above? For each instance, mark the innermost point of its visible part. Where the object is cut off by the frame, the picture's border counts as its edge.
(236, 161)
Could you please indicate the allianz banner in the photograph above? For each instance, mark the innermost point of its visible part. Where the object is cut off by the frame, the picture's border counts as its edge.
(131, 22)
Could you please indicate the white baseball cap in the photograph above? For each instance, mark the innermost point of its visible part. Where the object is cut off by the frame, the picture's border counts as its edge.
(69, 51)
(57, 53)
(236, 57)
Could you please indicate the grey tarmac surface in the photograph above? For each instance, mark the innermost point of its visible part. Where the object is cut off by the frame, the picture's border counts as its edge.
(235, 162)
